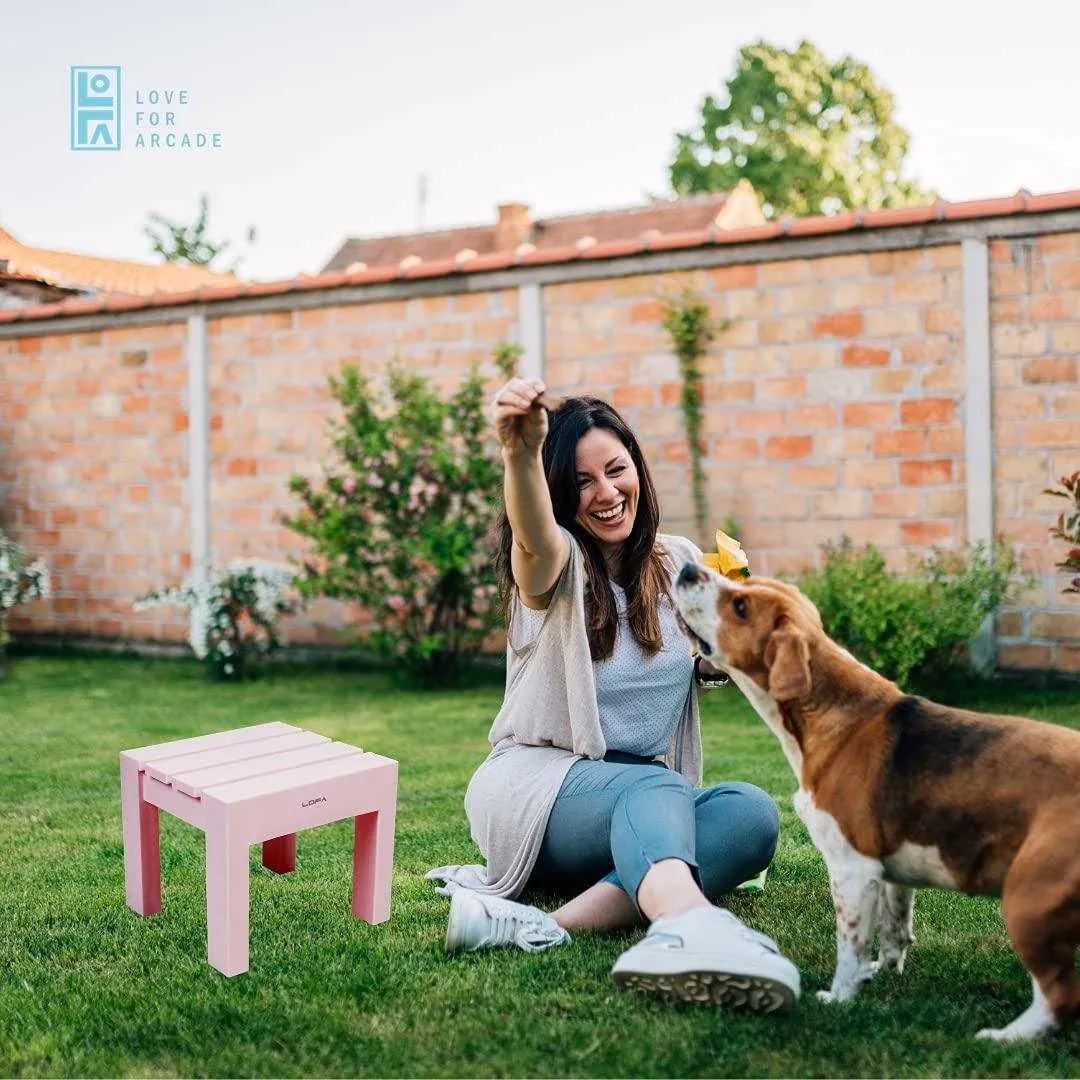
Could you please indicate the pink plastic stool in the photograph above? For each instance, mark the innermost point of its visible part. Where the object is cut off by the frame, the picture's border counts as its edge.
(260, 784)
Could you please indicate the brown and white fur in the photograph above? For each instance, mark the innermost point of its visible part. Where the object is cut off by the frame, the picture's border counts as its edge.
(897, 791)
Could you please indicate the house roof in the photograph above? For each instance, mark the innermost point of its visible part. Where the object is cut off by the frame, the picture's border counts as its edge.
(727, 209)
(1022, 203)
(97, 274)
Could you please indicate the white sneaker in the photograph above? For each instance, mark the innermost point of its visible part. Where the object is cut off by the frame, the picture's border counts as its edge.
(708, 955)
(479, 921)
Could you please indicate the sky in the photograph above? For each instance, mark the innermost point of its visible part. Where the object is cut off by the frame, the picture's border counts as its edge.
(329, 112)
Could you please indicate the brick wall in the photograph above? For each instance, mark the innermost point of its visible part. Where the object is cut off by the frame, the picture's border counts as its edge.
(835, 403)
(93, 467)
(834, 400)
(1035, 313)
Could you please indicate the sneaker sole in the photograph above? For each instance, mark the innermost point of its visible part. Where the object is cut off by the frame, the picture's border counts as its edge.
(752, 992)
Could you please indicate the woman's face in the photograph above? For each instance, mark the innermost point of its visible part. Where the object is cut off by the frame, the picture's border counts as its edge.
(607, 481)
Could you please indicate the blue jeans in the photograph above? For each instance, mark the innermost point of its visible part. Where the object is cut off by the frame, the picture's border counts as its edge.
(614, 818)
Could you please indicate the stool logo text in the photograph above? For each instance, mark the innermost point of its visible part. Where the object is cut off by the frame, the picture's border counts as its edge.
(313, 802)
(95, 108)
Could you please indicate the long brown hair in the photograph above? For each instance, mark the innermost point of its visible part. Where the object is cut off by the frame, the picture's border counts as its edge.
(641, 565)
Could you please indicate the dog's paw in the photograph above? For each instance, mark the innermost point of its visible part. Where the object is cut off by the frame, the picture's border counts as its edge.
(890, 961)
(826, 997)
(1001, 1035)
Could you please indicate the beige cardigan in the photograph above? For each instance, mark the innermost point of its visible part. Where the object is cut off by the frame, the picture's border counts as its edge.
(549, 720)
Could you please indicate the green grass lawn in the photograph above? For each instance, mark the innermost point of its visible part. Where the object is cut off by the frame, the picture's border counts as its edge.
(88, 988)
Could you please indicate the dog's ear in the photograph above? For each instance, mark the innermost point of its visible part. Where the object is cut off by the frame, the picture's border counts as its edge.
(787, 657)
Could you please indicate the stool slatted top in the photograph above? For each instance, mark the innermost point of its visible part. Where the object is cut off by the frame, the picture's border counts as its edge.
(258, 784)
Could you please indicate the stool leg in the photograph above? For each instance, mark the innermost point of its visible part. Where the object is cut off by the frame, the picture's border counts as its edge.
(226, 899)
(373, 864)
(142, 850)
(279, 854)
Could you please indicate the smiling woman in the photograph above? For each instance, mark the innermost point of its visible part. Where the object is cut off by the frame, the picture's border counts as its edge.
(591, 787)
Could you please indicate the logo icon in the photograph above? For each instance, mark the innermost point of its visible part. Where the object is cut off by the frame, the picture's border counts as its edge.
(95, 108)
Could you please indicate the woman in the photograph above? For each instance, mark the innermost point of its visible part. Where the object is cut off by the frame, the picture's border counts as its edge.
(600, 686)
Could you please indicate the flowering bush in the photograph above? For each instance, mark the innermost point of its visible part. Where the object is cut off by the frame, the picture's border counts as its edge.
(234, 613)
(20, 582)
(1068, 528)
(400, 520)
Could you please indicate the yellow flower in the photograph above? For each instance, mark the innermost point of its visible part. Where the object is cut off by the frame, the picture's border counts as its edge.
(729, 558)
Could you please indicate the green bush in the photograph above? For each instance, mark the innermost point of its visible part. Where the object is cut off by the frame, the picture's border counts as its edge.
(400, 521)
(909, 625)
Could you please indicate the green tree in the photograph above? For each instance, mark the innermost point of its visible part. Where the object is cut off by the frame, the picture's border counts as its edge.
(812, 136)
(180, 243)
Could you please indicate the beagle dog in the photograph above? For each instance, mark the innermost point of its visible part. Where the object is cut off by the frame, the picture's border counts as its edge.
(897, 791)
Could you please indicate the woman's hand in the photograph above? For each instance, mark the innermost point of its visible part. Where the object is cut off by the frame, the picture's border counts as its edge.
(520, 421)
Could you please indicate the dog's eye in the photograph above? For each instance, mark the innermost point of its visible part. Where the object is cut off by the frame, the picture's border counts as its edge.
(740, 607)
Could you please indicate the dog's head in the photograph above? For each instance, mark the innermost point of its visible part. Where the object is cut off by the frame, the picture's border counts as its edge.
(758, 627)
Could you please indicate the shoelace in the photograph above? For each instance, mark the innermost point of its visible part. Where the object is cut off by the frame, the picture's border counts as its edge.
(529, 928)
(749, 933)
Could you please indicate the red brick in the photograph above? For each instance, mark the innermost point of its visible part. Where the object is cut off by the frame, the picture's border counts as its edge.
(890, 381)
(869, 414)
(793, 386)
(812, 416)
(925, 532)
(896, 503)
(1051, 433)
(943, 320)
(647, 311)
(1049, 369)
(805, 298)
(870, 474)
(918, 289)
(863, 356)
(935, 471)
(893, 323)
(729, 390)
(814, 476)
(29, 346)
(784, 331)
(812, 357)
(1009, 624)
(734, 277)
(623, 396)
(1067, 658)
(860, 294)
(841, 266)
(788, 446)
(735, 449)
(903, 260)
(1065, 273)
(846, 324)
(1025, 657)
(788, 272)
(1056, 625)
(1019, 404)
(241, 467)
(840, 504)
(948, 440)
(929, 350)
(760, 420)
(927, 411)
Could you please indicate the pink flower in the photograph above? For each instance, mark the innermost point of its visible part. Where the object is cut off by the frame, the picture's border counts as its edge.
(350, 484)
(396, 603)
